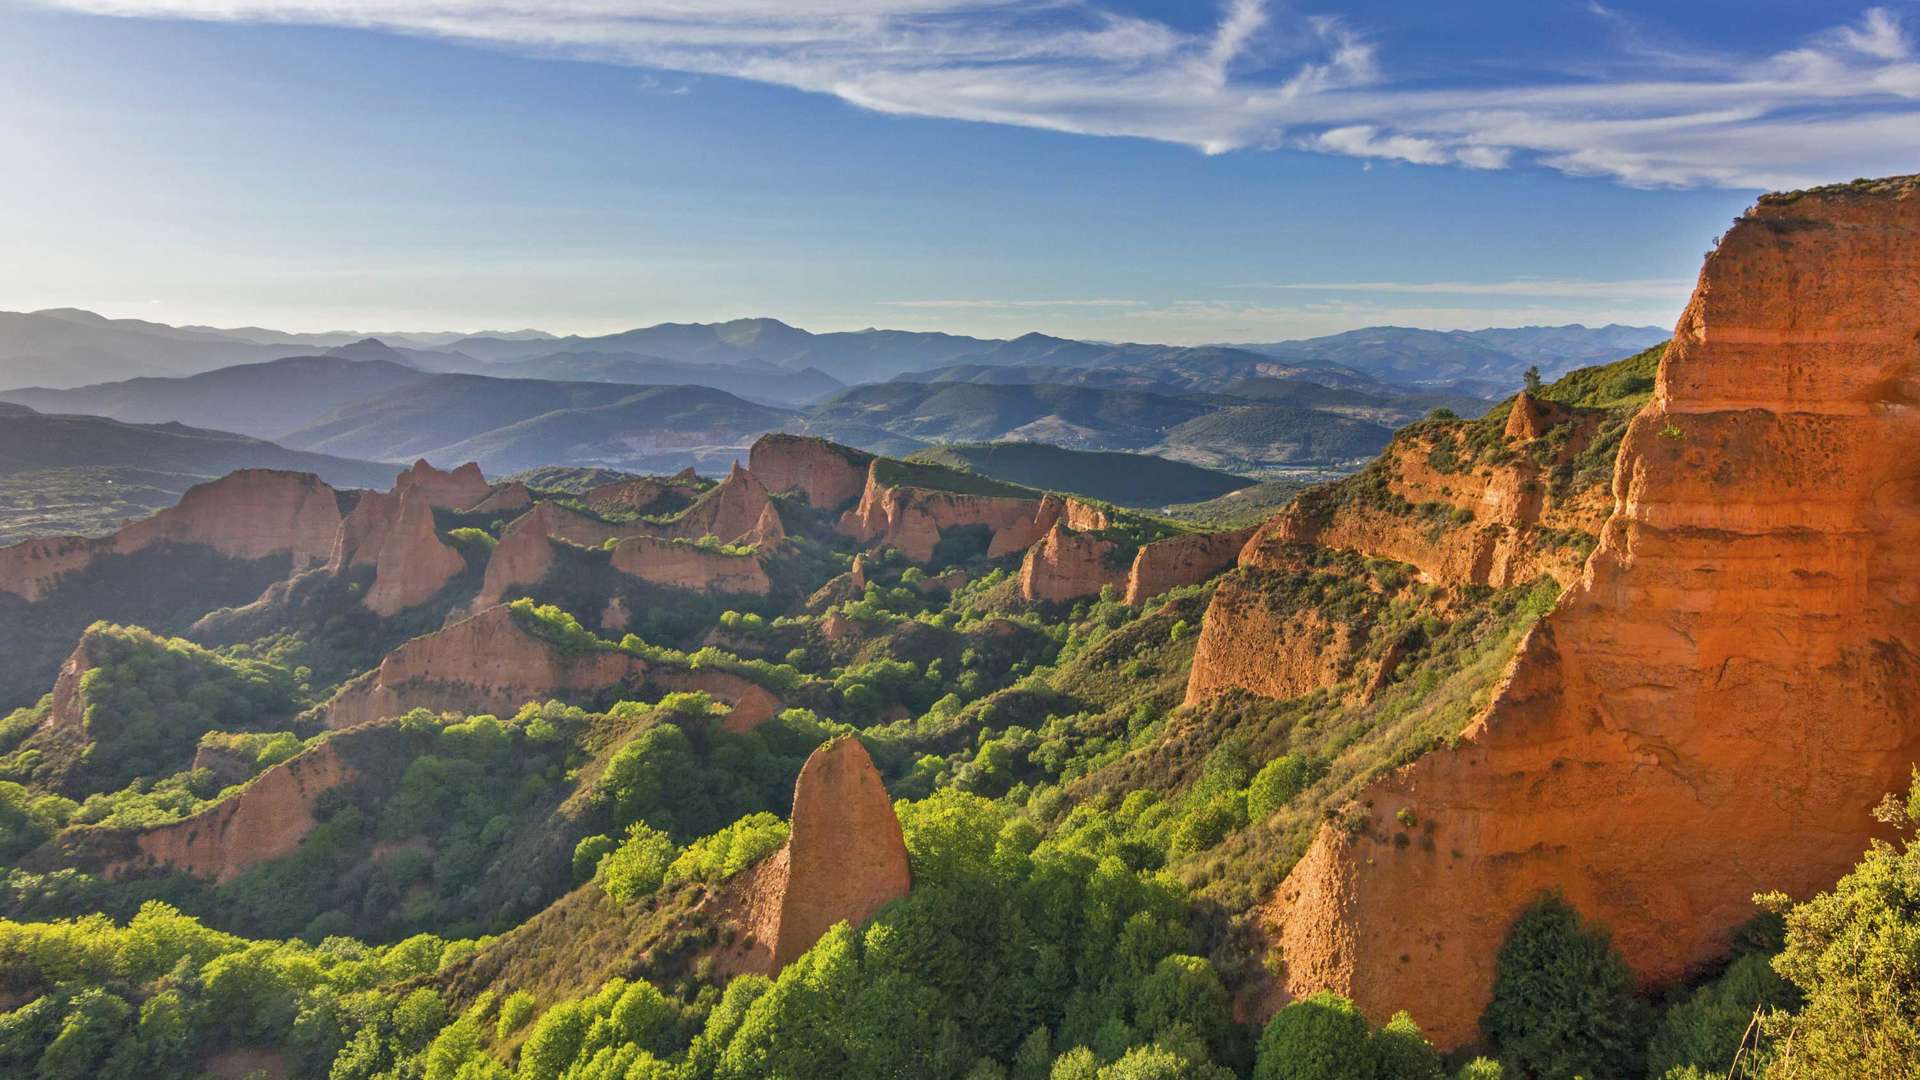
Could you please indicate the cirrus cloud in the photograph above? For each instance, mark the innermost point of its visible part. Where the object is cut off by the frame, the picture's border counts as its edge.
(1842, 102)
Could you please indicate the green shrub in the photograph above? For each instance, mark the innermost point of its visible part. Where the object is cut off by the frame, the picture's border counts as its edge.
(1854, 952)
(639, 865)
(718, 857)
(1481, 1069)
(1322, 1037)
(588, 853)
(1401, 1051)
(1563, 1003)
(1275, 785)
(515, 1010)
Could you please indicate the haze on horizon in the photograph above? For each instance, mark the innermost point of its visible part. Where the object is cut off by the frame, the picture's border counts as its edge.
(1111, 169)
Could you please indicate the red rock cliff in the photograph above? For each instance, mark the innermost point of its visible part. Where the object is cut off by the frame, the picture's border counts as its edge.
(266, 820)
(729, 511)
(1067, 565)
(844, 858)
(456, 490)
(1712, 710)
(483, 664)
(413, 563)
(1187, 559)
(912, 519)
(677, 564)
(249, 514)
(828, 474)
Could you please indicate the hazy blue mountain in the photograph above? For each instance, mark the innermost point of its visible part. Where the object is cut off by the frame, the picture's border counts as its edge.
(513, 424)
(266, 399)
(1410, 356)
(65, 475)
(63, 347)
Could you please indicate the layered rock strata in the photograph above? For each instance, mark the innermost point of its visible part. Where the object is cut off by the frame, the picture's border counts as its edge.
(827, 474)
(1732, 684)
(249, 514)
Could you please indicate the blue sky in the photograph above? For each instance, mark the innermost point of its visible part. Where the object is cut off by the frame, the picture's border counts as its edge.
(1239, 170)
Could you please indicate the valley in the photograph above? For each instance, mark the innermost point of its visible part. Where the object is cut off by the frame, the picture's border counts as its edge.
(1043, 709)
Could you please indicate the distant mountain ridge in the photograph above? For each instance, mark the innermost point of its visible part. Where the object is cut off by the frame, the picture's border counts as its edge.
(66, 347)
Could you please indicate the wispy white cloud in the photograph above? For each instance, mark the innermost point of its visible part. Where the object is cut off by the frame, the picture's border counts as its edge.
(1840, 103)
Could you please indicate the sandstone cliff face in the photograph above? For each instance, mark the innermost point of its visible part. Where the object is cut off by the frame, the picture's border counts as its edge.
(482, 664)
(522, 557)
(510, 498)
(1182, 560)
(1735, 680)
(829, 475)
(1085, 516)
(414, 563)
(249, 514)
(1498, 522)
(912, 519)
(456, 490)
(1067, 565)
(844, 858)
(729, 511)
(1249, 643)
(267, 820)
(680, 565)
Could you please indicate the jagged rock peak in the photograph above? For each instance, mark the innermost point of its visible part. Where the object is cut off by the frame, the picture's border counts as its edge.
(845, 858)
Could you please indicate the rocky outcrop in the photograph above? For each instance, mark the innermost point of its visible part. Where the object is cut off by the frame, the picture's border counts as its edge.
(827, 474)
(912, 519)
(249, 514)
(486, 663)
(508, 498)
(525, 552)
(1500, 519)
(523, 557)
(754, 706)
(414, 564)
(679, 564)
(1266, 645)
(844, 858)
(1187, 559)
(767, 533)
(1083, 516)
(456, 490)
(266, 820)
(729, 511)
(1733, 682)
(1067, 565)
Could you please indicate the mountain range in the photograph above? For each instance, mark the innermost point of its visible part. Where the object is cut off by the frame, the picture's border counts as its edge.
(67, 347)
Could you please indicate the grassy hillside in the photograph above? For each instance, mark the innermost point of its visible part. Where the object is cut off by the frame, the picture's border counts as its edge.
(1207, 430)
(1125, 479)
(1249, 437)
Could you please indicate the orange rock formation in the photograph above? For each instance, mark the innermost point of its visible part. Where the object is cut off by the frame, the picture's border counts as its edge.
(1514, 525)
(1714, 707)
(510, 498)
(912, 519)
(729, 511)
(266, 820)
(678, 564)
(828, 474)
(1187, 559)
(486, 663)
(456, 490)
(249, 514)
(844, 858)
(1066, 565)
(413, 563)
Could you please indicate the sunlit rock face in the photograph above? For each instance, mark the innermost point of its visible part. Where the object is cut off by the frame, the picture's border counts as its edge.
(1732, 684)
